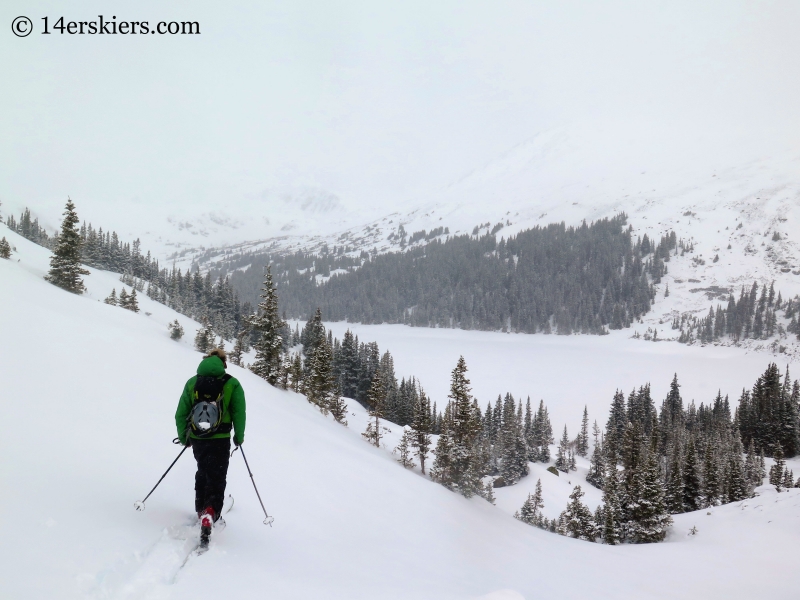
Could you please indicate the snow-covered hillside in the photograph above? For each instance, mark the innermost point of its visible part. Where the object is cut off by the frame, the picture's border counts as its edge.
(90, 392)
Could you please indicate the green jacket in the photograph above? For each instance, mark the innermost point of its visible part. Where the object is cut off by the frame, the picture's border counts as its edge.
(233, 406)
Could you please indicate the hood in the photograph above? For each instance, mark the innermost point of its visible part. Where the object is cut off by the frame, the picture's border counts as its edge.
(211, 367)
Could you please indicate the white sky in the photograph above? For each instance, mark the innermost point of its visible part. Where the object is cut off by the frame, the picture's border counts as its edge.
(380, 104)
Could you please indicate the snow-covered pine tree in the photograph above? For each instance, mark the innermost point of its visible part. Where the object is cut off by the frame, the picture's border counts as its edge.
(240, 347)
(788, 479)
(313, 334)
(711, 479)
(582, 447)
(649, 519)
(465, 430)
(5, 248)
(296, 373)
(577, 520)
(123, 299)
(776, 470)
(442, 471)
(133, 304)
(376, 399)
(674, 489)
(595, 476)
(175, 330)
(611, 530)
(65, 264)
(421, 427)
(527, 514)
(562, 454)
(268, 325)
(112, 298)
(514, 456)
(571, 464)
(404, 449)
(692, 485)
(321, 384)
(202, 343)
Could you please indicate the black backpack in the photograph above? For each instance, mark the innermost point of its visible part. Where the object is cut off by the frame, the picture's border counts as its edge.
(205, 418)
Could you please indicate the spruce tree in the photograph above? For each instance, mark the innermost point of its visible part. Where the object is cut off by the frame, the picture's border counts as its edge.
(582, 447)
(321, 384)
(612, 505)
(123, 299)
(5, 248)
(595, 476)
(175, 330)
(577, 519)
(268, 325)
(202, 343)
(692, 485)
(465, 430)
(562, 455)
(404, 449)
(112, 297)
(648, 514)
(674, 489)
(776, 471)
(527, 514)
(133, 305)
(711, 480)
(65, 264)
(377, 402)
(421, 427)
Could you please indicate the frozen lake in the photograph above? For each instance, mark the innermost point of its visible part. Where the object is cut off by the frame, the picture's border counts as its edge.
(567, 372)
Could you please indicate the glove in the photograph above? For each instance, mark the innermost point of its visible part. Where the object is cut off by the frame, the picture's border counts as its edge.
(237, 443)
(188, 443)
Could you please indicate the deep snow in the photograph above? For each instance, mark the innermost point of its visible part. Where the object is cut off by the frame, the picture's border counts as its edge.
(91, 392)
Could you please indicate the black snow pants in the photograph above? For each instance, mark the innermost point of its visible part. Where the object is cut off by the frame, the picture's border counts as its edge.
(212, 458)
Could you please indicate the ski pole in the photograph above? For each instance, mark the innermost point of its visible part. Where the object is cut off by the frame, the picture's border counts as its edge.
(267, 519)
(140, 505)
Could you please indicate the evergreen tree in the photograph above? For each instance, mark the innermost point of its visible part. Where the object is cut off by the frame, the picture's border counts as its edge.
(5, 248)
(649, 517)
(240, 347)
(175, 330)
(296, 373)
(377, 403)
(612, 505)
(124, 299)
(562, 455)
(596, 468)
(692, 485)
(465, 430)
(421, 427)
(202, 342)
(442, 470)
(711, 480)
(577, 519)
(321, 385)
(132, 304)
(582, 447)
(404, 449)
(112, 297)
(65, 264)
(674, 492)
(269, 326)
(776, 471)
(514, 458)
(531, 511)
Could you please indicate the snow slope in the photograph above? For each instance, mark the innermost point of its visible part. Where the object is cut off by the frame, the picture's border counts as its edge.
(92, 389)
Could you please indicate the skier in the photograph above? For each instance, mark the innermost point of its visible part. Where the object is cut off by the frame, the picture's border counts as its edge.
(212, 404)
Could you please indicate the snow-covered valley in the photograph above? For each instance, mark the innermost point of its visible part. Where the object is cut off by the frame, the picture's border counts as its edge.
(92, 390)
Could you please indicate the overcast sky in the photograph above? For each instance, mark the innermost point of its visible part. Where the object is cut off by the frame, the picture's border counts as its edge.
(378, 104)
